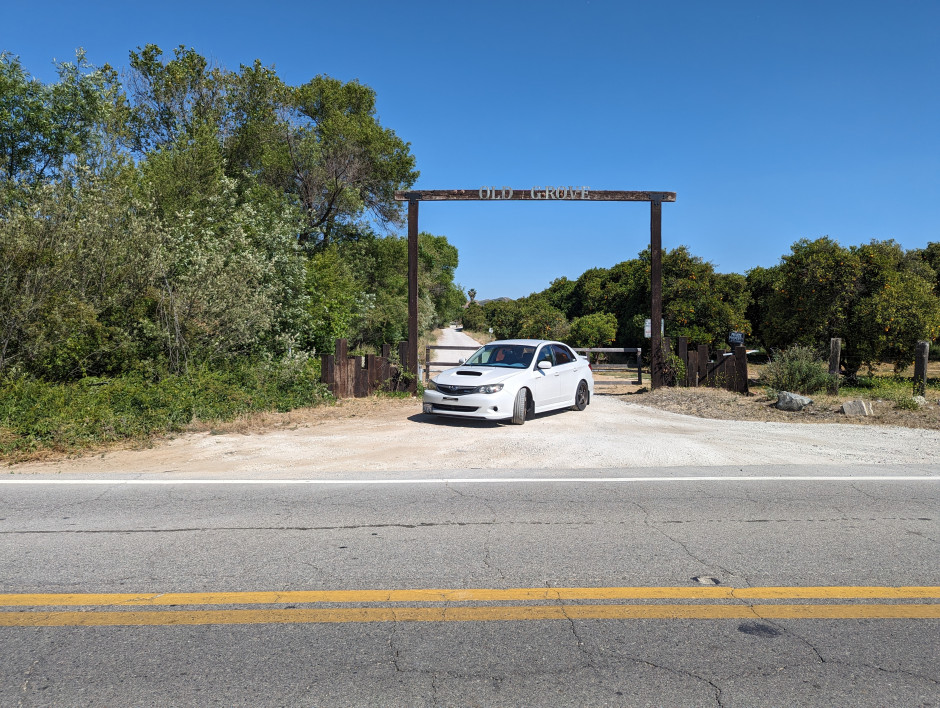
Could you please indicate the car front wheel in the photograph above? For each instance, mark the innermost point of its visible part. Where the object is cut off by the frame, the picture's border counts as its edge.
(581, 397)
(520, 407)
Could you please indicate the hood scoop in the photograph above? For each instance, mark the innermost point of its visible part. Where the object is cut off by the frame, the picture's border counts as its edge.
(469, 373)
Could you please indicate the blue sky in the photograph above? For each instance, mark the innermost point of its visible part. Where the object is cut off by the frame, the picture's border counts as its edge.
(772, 121)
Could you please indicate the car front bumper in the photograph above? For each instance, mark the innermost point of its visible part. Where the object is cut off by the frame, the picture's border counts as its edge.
(479, 406)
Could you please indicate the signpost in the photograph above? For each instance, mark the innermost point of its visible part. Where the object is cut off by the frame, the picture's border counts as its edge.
(541, 193)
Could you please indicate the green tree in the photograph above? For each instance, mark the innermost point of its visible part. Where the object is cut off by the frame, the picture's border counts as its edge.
(504, 318)
(877, 298)
(44, 127)
(931, 256)
(473, 317)
(539, 320)
(595, 330)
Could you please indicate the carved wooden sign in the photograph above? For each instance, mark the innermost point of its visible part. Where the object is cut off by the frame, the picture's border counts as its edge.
(569, 193)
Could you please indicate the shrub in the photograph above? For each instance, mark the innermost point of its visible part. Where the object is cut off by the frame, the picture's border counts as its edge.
(797, 369)
(36, 414)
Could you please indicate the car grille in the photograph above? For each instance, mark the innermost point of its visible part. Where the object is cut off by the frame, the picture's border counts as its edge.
(455, 390)
(455, 409)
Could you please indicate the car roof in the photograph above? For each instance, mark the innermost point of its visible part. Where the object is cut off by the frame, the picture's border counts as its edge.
(529, 342)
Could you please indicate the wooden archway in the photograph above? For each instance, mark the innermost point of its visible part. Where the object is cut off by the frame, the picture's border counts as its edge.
(573, 194)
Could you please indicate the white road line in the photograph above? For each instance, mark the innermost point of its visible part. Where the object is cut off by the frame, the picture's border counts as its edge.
(485, 480)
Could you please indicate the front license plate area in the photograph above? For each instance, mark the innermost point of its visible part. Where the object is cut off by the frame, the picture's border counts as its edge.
(449, 398)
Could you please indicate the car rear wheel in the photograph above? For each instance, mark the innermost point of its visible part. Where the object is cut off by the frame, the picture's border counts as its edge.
(581, 397)
(520, 407)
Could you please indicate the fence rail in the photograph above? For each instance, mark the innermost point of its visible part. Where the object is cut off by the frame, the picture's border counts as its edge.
(615, 367)
(441, 364)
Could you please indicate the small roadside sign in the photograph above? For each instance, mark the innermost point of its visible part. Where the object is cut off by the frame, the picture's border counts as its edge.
(736, 338)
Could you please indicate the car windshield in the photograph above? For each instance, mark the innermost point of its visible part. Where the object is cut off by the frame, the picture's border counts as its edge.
(514, 356)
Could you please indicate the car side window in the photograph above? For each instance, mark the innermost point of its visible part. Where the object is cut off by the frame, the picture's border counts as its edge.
(562, 355)
(545, 355)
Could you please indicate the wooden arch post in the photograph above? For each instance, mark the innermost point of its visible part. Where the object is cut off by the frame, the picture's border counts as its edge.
(573, 194)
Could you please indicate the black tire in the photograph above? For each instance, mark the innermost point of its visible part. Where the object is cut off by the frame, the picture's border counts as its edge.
(520, 407)
(582, 397)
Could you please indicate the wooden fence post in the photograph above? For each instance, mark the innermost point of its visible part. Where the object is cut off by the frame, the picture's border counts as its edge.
(682, 351)
(341, 369)
(921, 353)
(403, 351)
(740, 369)
(328, 372)
(702, 369)
(360, 378)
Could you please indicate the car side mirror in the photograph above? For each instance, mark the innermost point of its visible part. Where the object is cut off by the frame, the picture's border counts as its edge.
(545, 365)
(461, 361)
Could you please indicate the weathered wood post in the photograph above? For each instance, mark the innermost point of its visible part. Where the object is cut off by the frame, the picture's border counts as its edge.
(412, 365)
(682, 351)
(920, 367)
(835, 356)
(740, 369)
(701, 372)
(657, 357)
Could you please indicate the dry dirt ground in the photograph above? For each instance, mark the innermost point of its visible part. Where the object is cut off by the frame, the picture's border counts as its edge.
(626, 428)
(368, 436)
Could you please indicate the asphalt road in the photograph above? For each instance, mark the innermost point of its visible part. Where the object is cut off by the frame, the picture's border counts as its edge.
(554, 589)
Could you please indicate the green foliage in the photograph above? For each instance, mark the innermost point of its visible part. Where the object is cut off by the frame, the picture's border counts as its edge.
(673, 370)
(906, 403)
(878, 298)
(539, 320)
(595, 330)
(36, 415)
(473, 318)
(931, 258)
(798, 370)
(528, 318)
(45, 127)
(698, 303)
(503, 317)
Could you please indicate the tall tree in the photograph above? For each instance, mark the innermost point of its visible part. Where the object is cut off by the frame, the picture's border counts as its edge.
(45, 126)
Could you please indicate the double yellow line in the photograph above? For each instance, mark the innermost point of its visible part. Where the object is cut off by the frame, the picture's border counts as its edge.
(33, 610)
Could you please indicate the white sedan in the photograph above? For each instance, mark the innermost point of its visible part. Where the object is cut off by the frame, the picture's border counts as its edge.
(514, 379)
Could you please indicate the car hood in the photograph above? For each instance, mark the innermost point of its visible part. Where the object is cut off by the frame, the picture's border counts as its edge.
(476, 375)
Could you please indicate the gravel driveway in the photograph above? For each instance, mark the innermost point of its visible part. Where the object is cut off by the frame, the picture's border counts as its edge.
(372, 435)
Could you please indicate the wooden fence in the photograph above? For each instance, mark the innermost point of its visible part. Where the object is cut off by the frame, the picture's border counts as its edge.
(722, 369)
(615, 367)
(428, 363)
(361, 376)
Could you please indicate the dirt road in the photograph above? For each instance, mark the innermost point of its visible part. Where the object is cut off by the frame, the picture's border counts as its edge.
(374, 435)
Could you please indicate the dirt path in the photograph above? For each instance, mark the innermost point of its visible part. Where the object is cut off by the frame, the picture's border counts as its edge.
(452, 337)
(373, 435)
(365, 436)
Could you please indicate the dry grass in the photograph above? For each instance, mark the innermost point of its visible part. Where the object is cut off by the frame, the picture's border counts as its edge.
(724, 405)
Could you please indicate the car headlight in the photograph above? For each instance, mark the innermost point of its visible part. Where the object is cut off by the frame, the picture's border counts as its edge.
(490, 388)
(431, 385)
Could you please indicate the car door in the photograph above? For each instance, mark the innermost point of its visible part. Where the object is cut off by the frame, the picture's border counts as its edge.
(567, 371)
(546, 389)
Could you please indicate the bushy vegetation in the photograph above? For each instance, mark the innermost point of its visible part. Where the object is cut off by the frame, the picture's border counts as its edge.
(37, 414)
(877, 297)
(798, 370)
(192, 221)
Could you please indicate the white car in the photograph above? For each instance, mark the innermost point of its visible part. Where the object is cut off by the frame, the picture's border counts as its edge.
(514, 379)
